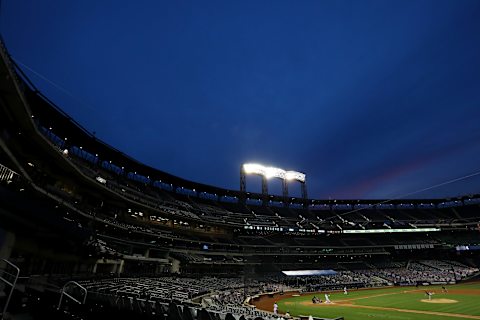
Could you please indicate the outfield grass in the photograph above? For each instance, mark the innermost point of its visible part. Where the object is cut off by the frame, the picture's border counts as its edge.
(399, 303)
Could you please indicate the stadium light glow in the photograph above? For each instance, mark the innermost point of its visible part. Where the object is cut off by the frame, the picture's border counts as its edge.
(253, 168)
(294, 175)
(392, 230)
(272, 172)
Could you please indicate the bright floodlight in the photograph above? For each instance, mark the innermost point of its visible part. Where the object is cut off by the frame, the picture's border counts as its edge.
(253, 168)
(272, 172)
(294, 175)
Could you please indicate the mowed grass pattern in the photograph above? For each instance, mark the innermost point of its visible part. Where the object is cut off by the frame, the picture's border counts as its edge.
(361, 304)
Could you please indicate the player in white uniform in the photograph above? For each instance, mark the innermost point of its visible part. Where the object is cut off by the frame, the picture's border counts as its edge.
(327, 298)
(275, 308)
(345, 290)
(429, 294)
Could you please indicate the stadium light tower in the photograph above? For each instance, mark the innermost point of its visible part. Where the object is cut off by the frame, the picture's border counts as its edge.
(271, 172)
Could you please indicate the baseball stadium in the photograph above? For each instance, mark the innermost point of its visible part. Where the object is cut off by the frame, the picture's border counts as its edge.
(89, 232)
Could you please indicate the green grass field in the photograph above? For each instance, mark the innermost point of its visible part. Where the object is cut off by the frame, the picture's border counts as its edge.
(399, 303)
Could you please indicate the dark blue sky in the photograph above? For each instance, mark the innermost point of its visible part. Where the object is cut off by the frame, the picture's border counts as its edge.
(372, 99)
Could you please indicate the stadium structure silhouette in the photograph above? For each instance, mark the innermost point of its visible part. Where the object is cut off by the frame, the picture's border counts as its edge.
(87, 232)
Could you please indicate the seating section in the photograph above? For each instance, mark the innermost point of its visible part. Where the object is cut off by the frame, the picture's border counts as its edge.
(431, 271)
(350, 279)
(228, 295)
(458, 270)
(163, 288)
(101, 306)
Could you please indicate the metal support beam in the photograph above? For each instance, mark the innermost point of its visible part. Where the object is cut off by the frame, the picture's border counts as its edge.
(264, 190)
(243, 182)
(12, 284)
(286, 203)
(243, 186)
(304, 194)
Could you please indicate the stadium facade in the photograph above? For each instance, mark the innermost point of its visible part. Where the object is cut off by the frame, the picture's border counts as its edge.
(75, 208)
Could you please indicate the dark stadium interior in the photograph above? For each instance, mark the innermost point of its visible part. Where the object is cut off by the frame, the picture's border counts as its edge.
(140, 242)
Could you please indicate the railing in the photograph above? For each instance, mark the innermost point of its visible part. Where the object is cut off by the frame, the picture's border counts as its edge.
(7, 175)
(76, 284)
(10, 283)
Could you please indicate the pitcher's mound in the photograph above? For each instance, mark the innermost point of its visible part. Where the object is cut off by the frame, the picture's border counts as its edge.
(439, 301)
